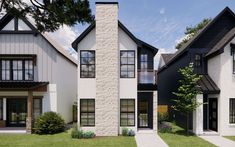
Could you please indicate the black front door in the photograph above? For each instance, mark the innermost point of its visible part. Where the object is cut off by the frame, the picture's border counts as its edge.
(213, 114)
(145, 110)
(16, 112)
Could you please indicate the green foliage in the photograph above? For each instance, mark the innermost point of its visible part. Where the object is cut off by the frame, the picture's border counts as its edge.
(125, 131)
(49, 123)
(165, 127)
(163, 117)
(191, 31)
(88, 134)
(50, 15)
(131, 132)
(76, 133)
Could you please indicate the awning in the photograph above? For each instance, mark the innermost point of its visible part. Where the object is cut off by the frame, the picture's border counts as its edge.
(207, 85)
(23, 86)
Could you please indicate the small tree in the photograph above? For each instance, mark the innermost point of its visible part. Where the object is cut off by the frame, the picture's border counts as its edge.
(186, 102)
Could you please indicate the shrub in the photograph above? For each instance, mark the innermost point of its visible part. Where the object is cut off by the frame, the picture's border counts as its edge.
(88, 134)
(49, 123)
(124, 131)
(131, 132)
(76, 133)
(165, 127)
(163, 117)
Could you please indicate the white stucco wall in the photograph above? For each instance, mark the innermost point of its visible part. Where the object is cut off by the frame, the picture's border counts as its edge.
(220, 68)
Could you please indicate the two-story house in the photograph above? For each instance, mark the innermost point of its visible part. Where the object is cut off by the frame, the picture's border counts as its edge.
(116, 77)
(36, 75)
(212, 52)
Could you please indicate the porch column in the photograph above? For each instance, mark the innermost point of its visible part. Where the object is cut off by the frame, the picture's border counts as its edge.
(4, 109)
(198, 116)
(29, 112)
(155, 111)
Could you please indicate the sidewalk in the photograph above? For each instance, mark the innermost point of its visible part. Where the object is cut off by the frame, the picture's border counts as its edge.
(219, 141)
(149, 139)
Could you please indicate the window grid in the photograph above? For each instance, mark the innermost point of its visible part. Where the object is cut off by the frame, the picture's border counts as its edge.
(5, 72)
(87, 112)
(127, 64)
(198, 60)
(127, 117)
(17, 68)
(87, 64)
(144, 61)
(232, 110)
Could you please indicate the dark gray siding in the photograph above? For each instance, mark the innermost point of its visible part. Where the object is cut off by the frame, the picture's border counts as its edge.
(150, 55)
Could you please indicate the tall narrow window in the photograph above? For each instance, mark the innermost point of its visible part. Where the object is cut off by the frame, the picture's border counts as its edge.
(127, 64)
(233, 52)
(127, 113)
(17, 68)
(87, 64)
(87, 112)
(232, 110)
(144, 61)
(1, 109)
(37, 107)
(28, 64)
(198, 60)
(5, 70)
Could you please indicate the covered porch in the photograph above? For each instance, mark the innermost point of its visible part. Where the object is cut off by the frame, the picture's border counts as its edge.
(18, 105)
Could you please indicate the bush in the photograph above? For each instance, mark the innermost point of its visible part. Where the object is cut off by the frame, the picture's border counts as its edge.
(49, 123)
(165, 127)
(131, 132)
(88, 134)
(124, 131)
(76, 133)
(163, 117)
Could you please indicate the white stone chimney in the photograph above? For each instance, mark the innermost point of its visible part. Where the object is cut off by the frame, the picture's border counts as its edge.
(107, 69)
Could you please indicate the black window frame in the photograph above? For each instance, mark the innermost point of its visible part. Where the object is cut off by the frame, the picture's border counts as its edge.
(40, 107)
(197, 61)
(1, 70)
(81, 64)
(127, 112)
(144, 61)
(87, 112)
(232, 110)
(12, 70)
(1, 108)
(127, 64)
(233, 53)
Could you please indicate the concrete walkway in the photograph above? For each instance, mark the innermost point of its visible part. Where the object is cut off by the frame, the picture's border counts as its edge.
(149, 139)
(219, 141)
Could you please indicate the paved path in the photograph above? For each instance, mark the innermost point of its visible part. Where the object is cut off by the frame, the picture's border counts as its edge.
(219, 141)
(149, 139)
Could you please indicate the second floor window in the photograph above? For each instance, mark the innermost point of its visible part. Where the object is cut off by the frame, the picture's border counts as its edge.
(127, 64)
(87, 64)
(16, 69)
(198, 60)
(144, 61)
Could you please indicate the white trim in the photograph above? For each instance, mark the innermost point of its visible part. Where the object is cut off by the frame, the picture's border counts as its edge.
(4, 109)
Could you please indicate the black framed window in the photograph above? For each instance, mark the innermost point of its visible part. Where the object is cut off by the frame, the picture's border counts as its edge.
(232, 110)
(1, 109)
(127, 112)
(233, 52)
(198, 60)
(144, 61)
(17, 69)
(37, 107)
(87, 64)
(87, 112)
(127, 64)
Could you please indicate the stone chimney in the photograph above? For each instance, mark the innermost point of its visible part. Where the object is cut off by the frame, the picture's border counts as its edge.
(107, 69)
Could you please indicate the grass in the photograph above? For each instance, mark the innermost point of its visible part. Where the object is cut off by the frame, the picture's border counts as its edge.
(63, 140)
(230, 137)
(178, 138)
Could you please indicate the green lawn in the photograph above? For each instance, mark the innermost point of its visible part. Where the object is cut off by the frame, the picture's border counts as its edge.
(230, 137)
(178, 138)
(63, 140)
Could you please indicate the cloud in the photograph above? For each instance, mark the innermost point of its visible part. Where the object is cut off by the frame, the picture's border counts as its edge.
(162, 11)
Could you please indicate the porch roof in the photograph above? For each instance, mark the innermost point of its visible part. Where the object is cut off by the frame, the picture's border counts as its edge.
(208, 86)
(23, 85)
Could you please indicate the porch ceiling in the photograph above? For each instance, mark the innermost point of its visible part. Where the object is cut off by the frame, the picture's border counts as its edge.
(23, 86)
(208, 86)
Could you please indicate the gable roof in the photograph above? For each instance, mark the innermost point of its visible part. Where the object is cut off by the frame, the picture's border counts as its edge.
(139, 43)
(167, 57)
(184, 48)
(8, 17)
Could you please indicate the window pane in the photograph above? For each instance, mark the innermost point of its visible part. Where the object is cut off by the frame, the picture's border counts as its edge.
(127, 114)
(87, 115)
(124, 68)
(127, 64)
(131, 54)
(87, 64)
(123, 54)
(232, 110)
(124, 60)
(131, 60)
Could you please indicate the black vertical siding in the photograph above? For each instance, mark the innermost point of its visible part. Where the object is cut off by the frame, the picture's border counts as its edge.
(150, 55)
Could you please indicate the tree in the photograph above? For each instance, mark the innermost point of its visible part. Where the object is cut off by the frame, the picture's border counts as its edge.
(186, 102)
(49, 15)
(191, 31)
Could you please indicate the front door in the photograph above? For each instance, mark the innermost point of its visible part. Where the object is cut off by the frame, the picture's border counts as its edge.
(16, 112)
(213, 114)
(145, 111)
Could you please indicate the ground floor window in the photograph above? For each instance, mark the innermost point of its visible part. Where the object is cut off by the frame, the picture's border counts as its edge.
(37, 107)
(232, 110)
(127, 112)
(1, 109)
(87, 112)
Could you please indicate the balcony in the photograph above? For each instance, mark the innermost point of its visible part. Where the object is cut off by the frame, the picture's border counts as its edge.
(147, 76)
